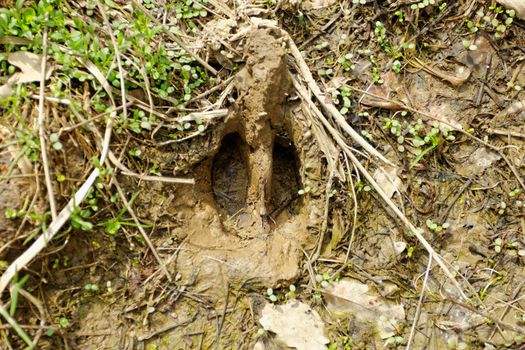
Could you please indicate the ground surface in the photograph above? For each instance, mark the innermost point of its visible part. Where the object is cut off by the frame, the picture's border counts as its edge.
(232, 212)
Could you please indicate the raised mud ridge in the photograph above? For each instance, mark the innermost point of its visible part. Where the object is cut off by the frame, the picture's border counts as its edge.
(244, 221)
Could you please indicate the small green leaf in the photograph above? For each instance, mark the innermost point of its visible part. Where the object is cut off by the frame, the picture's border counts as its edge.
(63, 322)
(10, 213)
(112, 227)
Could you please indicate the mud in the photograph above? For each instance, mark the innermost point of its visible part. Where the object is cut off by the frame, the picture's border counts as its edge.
(230, 175)
(17, 190)
(12, 193)
(242, 226)
(244, 220)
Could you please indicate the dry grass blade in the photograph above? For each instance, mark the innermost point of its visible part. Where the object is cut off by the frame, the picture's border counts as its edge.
(41, 129)
(327, 105)
(419, 304)
(304, 95)
(29, 254)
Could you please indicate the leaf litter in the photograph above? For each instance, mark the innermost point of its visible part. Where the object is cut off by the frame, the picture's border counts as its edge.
(210, 245)
(296, 325)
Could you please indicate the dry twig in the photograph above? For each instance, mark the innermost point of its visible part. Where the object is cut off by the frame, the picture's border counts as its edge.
(419, 304)
(41, 128)
(379, 190)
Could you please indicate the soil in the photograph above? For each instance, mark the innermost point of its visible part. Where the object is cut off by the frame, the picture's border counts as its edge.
(242, 226)
(271, 191)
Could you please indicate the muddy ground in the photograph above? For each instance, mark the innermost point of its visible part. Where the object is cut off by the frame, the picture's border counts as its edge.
(281, 242)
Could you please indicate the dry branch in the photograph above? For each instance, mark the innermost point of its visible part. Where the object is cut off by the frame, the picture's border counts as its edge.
(41, 129)
(306, 98)
(327, 105)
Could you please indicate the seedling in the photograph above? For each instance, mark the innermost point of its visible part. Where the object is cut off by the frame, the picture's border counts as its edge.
(271, 296)
(394, 341)
(497, 245)
(324, 280)
(435, 227)
(304, 191)
(91, 287)
(292, 292)
(63, 322)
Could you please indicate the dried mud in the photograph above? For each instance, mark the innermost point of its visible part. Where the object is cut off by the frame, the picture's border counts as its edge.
(243, 224)
(243, 220)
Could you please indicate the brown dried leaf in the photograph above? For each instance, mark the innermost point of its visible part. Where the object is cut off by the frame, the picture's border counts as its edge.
(518, 5)
(385, 91)
(296, 325)
(478, 162)
(6, 91)
(387, 178)
(352, 297)
(29, 64)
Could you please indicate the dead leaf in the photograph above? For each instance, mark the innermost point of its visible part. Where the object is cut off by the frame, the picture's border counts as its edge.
(388, 180)
(317, 4)
(30, 66)
(444, 113)
(338, 230)
(514, 108)
(384, 93)
(457, 78)
(477, 162)
(6, 91)
(352, 297)
(518, 5)
(295, 324)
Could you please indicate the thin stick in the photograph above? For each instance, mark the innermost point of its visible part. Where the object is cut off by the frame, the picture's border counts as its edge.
(419, 304)
(169, 328)
(325, 216)
(209, 92)
(142, 232)
(354, 220)
(463, 188)
(304, 95)
(326, 104)
(63, 101)
(41, 131)
(86, 121)
(125, 171)
(506, 133)
(223, 316)
(41, 310)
